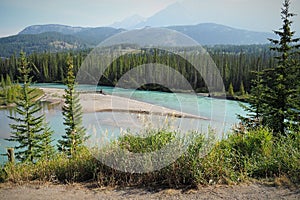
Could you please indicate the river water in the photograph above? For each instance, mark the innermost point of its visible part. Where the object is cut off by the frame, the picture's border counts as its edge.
(221, 115)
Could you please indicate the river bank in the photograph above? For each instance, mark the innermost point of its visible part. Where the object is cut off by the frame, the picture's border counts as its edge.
(100, 102)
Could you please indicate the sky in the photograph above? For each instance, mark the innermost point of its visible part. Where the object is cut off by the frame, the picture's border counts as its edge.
(257, 15)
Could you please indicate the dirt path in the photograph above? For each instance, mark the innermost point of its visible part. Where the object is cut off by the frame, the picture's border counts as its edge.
(91, 192)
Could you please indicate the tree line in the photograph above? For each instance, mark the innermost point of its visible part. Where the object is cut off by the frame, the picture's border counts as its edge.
(235, 63)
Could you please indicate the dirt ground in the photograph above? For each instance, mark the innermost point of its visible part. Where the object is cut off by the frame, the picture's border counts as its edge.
(49, 191)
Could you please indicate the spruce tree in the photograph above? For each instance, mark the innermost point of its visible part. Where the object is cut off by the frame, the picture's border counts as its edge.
(230, 90)
(72, 112)
(242, 89)
(281, 110)
(47, 149)
(275, 98)
(28, 130)
(255, 105)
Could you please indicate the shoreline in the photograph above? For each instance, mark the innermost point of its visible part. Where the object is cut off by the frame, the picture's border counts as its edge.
(99, 102)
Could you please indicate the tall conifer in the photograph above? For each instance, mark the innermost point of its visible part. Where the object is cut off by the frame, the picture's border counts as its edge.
(72, 112)
(278, 88)
(28, 129)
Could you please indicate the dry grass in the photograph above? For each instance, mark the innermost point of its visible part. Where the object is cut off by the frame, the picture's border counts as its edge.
(234, 160)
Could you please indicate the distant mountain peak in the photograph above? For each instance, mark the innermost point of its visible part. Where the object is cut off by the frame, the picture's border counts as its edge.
(174, 14)
(129, 22)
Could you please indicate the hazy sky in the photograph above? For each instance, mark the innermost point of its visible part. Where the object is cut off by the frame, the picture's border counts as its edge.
(259, 15)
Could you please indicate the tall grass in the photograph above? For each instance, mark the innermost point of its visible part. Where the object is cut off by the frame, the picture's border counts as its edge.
(255, 154)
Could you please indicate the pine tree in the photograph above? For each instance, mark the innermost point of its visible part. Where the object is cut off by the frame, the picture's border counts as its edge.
(242, 89)
(230, 90)
(255, 107)
(275, 98)
(72, 112)
(46, 146)
(2, 82)
(28, 129)
(3, 91)
(280, 111)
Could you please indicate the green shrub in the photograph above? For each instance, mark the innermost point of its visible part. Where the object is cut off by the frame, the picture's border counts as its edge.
(152, 141)
(255, 154)
(80, 167)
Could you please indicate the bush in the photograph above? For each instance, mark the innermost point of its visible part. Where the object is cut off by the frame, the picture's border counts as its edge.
(80, 167)
(255, 154)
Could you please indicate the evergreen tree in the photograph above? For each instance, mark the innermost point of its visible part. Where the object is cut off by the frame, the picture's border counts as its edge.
(46, 139)
(281, 111)
(3, 91)
(242, 89)
(256, 105)
(276, 96)
(2, 82)
(28, 129)
(72, 112)
(230, 90)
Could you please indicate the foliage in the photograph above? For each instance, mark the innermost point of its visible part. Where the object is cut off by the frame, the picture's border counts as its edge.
(275, 99)
(46, 146)
(280, 109)
(28, 129)
(152, 142)
(235, 64)
(255, 106)
(9, 92)
(60, 167)
(255, 154)
(230, 90)
(75, 132)
(49, 41)
(242, 89)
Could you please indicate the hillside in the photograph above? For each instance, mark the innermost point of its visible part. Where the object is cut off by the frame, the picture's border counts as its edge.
(54, 38)
(37, 29)
(212, 34)
(49, 41)
(93, 36)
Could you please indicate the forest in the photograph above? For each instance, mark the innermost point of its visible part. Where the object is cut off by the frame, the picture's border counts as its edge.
(235, 64)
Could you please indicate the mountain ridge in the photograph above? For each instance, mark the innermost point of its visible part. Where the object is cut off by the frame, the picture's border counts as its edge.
(222, 34)
(56, 37)
(36, 29)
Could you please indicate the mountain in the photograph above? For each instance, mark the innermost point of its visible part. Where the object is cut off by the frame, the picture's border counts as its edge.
(60, 38)
(211, 34)
(36, 29)
(93, 36)
(174, 14)
(129, 22)
(29, 43)
(54, 38)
